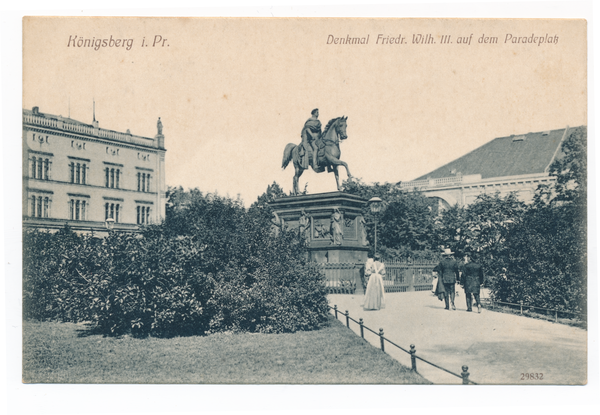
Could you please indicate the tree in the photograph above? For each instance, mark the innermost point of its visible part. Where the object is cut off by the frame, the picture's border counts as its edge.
(547, 261)
(405, 225)
(385, 191)
(451, 229)
(543, 259)
(571, 169)
(408, 221)
(274, 191)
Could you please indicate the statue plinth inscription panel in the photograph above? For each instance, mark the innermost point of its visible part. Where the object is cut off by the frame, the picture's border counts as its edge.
(350, 229)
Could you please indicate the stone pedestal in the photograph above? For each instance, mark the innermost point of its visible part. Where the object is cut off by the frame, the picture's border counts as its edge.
(319, 209)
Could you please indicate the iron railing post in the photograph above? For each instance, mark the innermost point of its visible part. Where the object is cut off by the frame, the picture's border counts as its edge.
(465, 375)
(362, 332)
(347, 319)
(556, 315)
(521, 306)
(413, 359)
(382, 340)
(335, 310)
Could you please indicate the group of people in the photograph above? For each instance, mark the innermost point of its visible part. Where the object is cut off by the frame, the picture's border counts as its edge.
(469, 275)
(449, 271)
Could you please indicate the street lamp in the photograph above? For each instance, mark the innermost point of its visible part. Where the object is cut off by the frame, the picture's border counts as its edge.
(375, 205)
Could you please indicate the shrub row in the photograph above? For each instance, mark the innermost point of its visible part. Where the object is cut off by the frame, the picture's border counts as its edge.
(165, 283)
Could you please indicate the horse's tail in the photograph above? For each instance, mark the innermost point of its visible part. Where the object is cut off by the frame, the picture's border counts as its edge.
(287, 155)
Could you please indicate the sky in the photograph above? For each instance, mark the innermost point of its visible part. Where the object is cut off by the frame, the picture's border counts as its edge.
(231, 93)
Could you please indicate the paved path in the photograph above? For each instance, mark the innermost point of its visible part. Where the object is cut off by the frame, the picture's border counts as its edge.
(496, 347)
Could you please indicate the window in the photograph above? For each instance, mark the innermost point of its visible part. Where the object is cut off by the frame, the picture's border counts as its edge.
(143, 215)
(78, 209)
(78, 173)
(40, 168)
(143, 182)
(46, 207)
(111, 177)
(39, 206)
(111, 210)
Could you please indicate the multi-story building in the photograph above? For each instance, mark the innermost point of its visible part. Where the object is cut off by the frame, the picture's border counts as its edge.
(517, 163)
(89, 177)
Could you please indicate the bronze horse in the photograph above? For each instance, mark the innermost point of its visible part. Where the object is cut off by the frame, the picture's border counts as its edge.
(328, 155)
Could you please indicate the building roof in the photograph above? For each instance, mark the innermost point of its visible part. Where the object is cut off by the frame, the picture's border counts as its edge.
(54, 117)
(58, 122)
(506, 156)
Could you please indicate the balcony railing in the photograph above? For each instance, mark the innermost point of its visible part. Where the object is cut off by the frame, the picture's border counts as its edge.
(87, 130)
(442, 181)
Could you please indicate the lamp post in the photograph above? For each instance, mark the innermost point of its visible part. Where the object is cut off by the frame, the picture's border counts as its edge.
(375, 205)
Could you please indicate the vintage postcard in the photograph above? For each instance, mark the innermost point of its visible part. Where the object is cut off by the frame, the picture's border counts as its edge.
(122, 116)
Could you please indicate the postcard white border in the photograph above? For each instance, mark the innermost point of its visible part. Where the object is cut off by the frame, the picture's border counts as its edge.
(259, 399)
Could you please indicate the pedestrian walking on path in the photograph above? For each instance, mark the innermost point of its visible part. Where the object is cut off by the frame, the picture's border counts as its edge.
(439, 288)
(375, 294)
(471, 279)
(448, 273)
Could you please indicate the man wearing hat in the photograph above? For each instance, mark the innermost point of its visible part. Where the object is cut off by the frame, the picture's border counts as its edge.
(310, 132)
(448, 273)
(471, 279)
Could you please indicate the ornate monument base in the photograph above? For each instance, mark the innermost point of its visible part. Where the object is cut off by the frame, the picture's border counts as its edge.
(332, 224)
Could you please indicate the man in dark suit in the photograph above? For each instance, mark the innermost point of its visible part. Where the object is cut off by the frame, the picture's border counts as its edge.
(471, 279)
(448, 272)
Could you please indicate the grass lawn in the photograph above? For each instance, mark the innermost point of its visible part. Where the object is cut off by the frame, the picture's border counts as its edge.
(69, 353)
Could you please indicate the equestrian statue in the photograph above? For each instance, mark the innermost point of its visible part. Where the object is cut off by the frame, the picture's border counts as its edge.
(318, 150)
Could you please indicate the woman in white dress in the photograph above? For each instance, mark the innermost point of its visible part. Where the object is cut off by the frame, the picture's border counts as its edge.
(375, 294)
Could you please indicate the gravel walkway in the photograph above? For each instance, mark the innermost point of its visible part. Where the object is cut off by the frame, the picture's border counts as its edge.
(498, 348)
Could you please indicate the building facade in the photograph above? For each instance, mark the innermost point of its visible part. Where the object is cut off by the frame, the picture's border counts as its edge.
(90, 178)
(517, 163)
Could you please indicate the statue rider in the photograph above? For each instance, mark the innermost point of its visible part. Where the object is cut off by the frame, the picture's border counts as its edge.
(310, 132)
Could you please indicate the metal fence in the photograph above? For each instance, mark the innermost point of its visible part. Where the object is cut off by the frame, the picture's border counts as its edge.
(348, 278)
(408, 276)
(343, 278)
(550, 312)
(464, 375)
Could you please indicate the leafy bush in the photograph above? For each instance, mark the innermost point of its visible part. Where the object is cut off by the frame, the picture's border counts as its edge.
(211, 267)
(46, 274)
(545, 261)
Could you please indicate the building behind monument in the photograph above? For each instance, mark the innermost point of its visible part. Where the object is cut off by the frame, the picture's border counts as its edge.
(516, 163)
(89, 177)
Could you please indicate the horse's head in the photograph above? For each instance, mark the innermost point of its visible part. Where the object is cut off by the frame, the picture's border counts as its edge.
(340, 127)
(337, 125)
